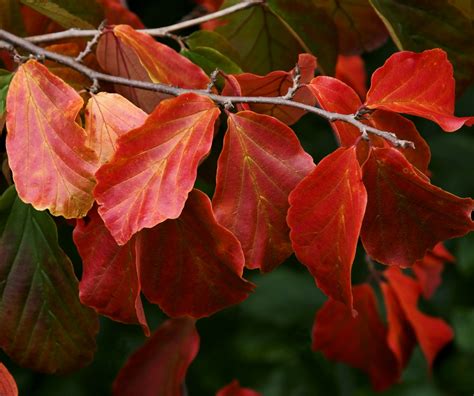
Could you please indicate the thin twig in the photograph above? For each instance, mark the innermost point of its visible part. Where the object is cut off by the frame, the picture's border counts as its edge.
(90, 44)
(158, 32)
(296, 83)
(227, 102)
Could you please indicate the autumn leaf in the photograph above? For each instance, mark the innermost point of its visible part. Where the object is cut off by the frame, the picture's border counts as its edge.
(234, 389)
(260, 163)
(155, 166)
(125, 52)
(115, 13)
(192, 265)
(44, 326)
(51, 164)
(5, 79)
(417, 84)
(277, 83)
(432, 333)
(325, 216)
(7, 383)
(159, 367)
(109, 116)
(109, 281)
(358, 341)
(411, 22)
(336, 96)
(406, 215)
(359, 29)
(350, 69)
(428, 270)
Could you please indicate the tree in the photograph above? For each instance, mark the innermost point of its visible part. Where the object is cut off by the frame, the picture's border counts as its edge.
(123, 138)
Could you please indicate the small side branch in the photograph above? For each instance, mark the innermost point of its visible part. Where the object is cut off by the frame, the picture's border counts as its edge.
(158, 32)
(90, 44)
(9, 41)
(296, 83)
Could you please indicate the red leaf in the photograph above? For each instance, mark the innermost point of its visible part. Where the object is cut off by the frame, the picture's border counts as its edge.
(192, 265)
(428, 270)
(406, 215)
(325, 217)
(149, 178)
(234, 389)
(109, 281)
(260, 163)
(116, 13)
(127, 53)
(159, 367)
(420, 84)
(109, 116)
(432, 333)
(401, 338)
(358, 341)
(8, 385)
(334, 95)
(277, 83)
(351, 70)
(52, 167)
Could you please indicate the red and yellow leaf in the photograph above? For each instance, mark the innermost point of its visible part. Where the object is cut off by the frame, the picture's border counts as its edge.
(127, 53)
(155, 166)
(7, 383)
(234, 389)
(192, 265)
(109, 116)
(325, 216)
(277, 83)
(419, 84)
(159, 367)
(109, 281)
(359, 341)
(47, 153)
(116, 13)
(432, 333)
(260, 163)
(406, 215)
(428, 270)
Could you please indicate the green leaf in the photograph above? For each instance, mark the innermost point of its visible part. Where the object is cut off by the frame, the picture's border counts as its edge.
(208, 38)
(210, 59)
(5, 78)
(83, 14)
(417, 25)
(465, 255)
(270, 37)
(463, 321)
(43, 325)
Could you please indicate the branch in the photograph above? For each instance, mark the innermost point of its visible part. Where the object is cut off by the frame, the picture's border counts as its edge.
(158, 32)
(10, 41)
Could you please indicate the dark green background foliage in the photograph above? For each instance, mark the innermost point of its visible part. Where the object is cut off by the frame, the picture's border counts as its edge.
(265, 341)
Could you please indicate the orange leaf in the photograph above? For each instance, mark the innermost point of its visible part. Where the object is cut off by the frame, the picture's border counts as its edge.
(7, 383)
(109, 116)
(159, 367)
(51, 164)
(358, 341)
(419, 84)
(325, 217)
(406, 215)
(109, 281)
(127, 53)
(277, 83)
(192, 265)
(260, 163)
(432, 333)
(149, 178)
